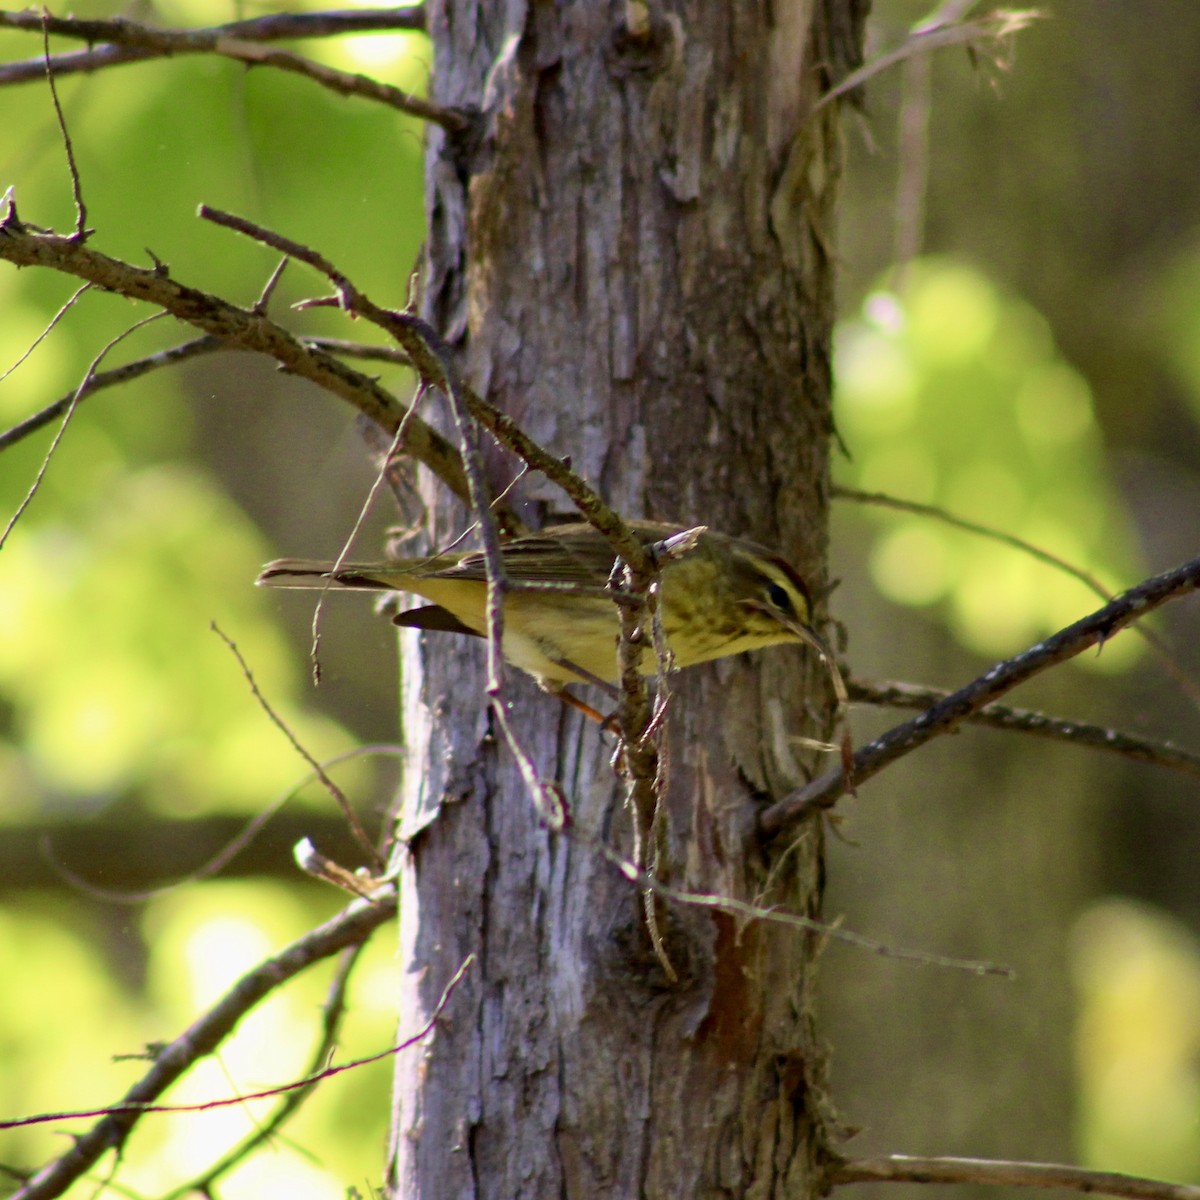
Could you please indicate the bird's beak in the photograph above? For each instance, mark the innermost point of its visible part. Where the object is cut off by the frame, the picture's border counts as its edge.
(807, 634)
(810, 637)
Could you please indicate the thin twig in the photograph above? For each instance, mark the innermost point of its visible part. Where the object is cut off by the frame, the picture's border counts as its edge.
(130, 41)
(270, 28)
(106, 379)
(330, 345)
(747, 912)
(934, 512)
(62, 429)
(1165, 654)
(893, 694)
(342, 83)
(263, 303)
(469, 529)
(218, 861)
(905, 1168)
(481, 505)
(364, 510)
(238, 327)
(547, 798)
(333, 1012)
(81, 229)
(945, 716)
(360, 834)
(996, 28)
(414, 336)
(642, 736)
(349, 927)
(51, 325)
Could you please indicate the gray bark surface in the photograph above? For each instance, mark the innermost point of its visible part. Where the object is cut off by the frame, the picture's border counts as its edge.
(631, 251)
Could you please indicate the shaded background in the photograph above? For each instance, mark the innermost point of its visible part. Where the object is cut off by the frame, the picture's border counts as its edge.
(1068, 183)
(1038, 369)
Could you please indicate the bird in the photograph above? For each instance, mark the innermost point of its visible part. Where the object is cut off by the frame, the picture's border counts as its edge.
(719, 596)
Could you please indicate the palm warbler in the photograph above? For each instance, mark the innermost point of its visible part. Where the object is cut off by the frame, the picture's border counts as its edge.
(719, 595)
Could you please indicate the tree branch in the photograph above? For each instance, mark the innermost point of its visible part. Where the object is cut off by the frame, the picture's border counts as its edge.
(348, 928)
(882, 500)
(904, 1168)
(106, 379)
(418, 338)
(893, 694)
(129, 41)
(270, 28)
(990, 32)
(945, 716)
(332, 1013)
(240, 328)
(126, 854)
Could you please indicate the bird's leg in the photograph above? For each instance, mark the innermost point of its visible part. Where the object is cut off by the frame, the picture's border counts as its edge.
(609, 723)
(592, 714)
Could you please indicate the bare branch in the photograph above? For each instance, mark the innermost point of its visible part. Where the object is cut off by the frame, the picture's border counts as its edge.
(106, 379)
(416, 337)
(1023, 720)
(934, 512)
(945, 716)
(103, 846)
(333, 1011)
(746, 912)
(62, 429)
(271, 28)
(383, 475)
(51, 325)
(129, 41)
(344, 83)
(238, 328)
(994, 29)
(81, 230)
(348, 928)
(392, 354)
(904, 1168)
(481, 506)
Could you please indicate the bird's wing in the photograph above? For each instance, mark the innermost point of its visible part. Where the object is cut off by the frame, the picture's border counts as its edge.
(562, 554)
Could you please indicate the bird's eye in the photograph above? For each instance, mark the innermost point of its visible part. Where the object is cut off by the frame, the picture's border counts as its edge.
(780, 599)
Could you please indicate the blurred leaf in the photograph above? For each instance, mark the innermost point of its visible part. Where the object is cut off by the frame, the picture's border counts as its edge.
(106, 656)
(1173, 317)
(50, 1031)
(953, 395)
(109, 676)
(1137, 974)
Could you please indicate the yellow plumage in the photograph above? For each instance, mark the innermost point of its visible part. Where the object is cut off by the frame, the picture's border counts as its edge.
(719, 596)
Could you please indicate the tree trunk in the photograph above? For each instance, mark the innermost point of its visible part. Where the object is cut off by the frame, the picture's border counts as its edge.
(630, 250)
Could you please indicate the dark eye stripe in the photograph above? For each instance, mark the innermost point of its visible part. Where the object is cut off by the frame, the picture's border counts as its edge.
(789, 573)
(780, 599)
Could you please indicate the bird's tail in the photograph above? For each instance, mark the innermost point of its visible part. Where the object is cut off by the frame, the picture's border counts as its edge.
(313, 573)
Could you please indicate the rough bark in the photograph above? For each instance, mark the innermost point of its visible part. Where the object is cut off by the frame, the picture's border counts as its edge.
(631, 250)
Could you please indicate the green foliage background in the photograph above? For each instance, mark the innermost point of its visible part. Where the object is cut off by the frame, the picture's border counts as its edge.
(1038, 374)
(114, 690)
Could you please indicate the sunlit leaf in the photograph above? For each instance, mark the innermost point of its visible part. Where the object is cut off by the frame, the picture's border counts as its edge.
(952, 394)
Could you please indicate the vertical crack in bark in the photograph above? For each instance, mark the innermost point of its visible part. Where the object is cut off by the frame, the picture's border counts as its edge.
(623, 219)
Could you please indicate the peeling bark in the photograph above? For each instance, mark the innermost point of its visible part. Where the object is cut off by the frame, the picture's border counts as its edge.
(630, 250)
